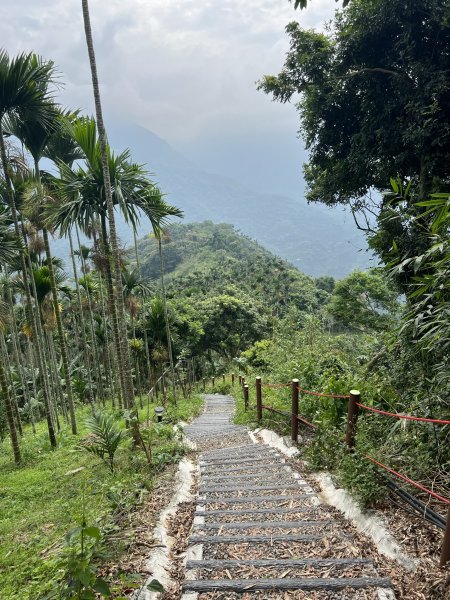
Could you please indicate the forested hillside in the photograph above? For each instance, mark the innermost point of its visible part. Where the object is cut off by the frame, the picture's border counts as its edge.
(204, 258)
(225, 291)
(316, 240)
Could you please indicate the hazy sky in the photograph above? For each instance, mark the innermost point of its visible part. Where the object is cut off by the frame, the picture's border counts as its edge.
(185, 69)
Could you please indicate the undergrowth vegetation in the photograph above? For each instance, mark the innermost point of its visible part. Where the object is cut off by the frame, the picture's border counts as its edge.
(337, 363)
(55, 491)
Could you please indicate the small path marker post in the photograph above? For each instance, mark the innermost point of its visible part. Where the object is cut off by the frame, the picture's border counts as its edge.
(245, 396)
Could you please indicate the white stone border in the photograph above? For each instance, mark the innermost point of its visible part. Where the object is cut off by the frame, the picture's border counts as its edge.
(158, 561)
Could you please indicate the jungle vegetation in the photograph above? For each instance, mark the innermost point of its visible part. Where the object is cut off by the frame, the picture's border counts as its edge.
(82, 344)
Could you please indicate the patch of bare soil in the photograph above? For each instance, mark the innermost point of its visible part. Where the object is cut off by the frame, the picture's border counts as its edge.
(420, 540)
(135, 536)
(179, 528)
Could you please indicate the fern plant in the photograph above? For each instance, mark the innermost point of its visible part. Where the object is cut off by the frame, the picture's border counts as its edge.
(105, 437)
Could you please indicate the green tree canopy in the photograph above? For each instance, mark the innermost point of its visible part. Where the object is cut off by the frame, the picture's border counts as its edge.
(231, 325)
(364, 300)
(374, 98)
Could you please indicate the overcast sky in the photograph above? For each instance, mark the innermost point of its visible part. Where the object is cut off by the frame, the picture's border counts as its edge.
(185, 69)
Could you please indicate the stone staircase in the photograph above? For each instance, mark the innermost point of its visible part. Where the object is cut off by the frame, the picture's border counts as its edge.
(261, 532)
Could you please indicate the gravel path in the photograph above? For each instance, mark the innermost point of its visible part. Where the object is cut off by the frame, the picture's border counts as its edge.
(260, 531)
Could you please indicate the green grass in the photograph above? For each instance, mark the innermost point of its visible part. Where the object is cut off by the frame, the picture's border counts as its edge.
(40, 501)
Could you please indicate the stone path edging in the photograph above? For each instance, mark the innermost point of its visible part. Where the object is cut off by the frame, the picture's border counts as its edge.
(247, 524)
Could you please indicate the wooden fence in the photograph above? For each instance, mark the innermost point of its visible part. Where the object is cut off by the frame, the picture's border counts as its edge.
(354, 409)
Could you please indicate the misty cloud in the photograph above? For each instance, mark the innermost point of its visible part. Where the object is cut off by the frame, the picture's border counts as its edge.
(182, 69)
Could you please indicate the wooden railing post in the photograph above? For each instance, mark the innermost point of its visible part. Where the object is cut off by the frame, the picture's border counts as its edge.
(223, 378)
(245, 396)
(213, 379)
(232, 379)
(240, 379)
(258, 399)
(352, 418)
(445, 550)
(294, 420)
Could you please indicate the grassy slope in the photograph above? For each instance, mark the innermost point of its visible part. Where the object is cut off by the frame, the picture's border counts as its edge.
(40, 502)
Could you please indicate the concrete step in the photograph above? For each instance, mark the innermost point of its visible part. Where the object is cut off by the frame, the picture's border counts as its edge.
(254, 499)
(262, 525)
(271, 467)
(222, 489)
(246, 585)
(259, 539)
(274, 562)
(263, 511)
(269, 459)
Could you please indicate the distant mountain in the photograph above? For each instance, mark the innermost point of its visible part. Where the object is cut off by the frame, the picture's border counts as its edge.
(317, 240)
(208, 259)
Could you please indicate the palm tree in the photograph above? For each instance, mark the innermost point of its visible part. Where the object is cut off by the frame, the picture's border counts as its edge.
(36, 136)
(135, 288)
(86, 203)
(62, 148)
(24, 94)
(119, 314)
(158, 212)
(9, 249)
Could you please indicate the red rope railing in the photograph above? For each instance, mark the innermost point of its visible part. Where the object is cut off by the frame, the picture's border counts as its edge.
(286, 413)
(364, 407)
(276, 410)
(303, 420)
(399, 416)
(407, 479)
(350, 440)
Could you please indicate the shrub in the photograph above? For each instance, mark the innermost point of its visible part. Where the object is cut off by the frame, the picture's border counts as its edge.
(361, 478)
(326, 450)
(221, 388)
(104, 439)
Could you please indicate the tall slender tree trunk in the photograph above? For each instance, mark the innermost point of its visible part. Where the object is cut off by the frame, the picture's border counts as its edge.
(82, 322)
(91, 319)
(119, 316)
(144, 313)
(166, 317)
(9, 415)
(112, 309)
(56, 377)
(61, 336)
(33, 383)
(13, 396)
(110, 362)
(17, 353)
(32, 310)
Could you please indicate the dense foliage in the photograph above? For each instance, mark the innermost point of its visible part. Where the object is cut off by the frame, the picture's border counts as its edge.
(112, 330)
(224, 290)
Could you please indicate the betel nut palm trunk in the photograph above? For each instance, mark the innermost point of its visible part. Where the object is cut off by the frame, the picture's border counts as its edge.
(119, 315)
